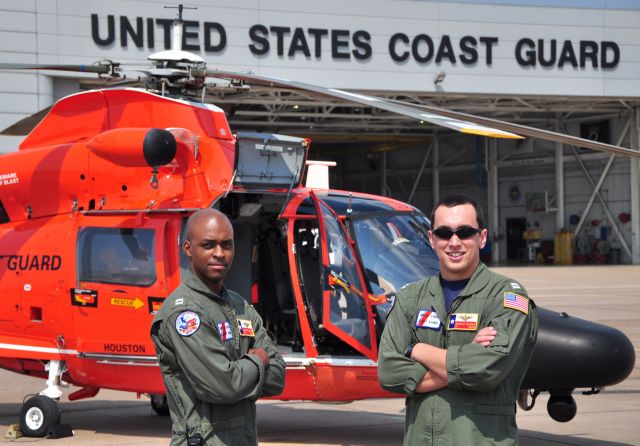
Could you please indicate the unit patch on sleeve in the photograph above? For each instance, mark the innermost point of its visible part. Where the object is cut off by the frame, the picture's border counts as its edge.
(245, 328)
(464, 321)
(187, 323)
(516, 302)
(224, 328)
(428, 319)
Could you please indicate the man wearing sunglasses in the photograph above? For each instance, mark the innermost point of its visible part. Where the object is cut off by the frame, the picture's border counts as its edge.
(458, 344)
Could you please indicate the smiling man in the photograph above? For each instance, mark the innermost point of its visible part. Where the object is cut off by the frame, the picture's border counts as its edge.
(458, 344)
(215, 355)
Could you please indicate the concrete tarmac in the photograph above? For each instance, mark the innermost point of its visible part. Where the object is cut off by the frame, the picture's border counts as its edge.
(604, 294)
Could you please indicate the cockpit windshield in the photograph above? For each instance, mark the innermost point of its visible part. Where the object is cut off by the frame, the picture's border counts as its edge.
(395, 250)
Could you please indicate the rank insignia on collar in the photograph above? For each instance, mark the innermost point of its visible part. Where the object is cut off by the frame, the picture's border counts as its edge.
(245, 328)
(428, 319)
(224, 328)
(463, 321)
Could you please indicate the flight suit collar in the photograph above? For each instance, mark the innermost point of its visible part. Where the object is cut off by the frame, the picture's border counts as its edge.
(477, 282)
(195, 283)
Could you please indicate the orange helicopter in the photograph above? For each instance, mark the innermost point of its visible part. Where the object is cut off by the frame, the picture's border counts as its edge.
(92, 213)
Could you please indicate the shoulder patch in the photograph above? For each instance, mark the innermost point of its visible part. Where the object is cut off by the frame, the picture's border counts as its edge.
(187, 323)
(516, 302)
(515, 285)
(179, 301)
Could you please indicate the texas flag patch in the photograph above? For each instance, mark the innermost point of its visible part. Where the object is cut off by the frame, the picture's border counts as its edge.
(516, 302)
(245, 328)
(464, 321)
(224, 328)
(428, 319)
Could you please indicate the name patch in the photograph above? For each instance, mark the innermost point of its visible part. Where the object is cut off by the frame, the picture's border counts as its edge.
(224, 328)
(464, 321)
(428, 319)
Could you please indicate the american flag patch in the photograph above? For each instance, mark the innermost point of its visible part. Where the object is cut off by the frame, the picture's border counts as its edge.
(224, 328)
(516, 302)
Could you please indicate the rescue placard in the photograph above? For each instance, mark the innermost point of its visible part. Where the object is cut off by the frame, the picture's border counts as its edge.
(136, 303)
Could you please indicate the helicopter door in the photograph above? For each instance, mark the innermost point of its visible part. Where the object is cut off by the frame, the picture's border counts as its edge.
(120, 282)
(266, 160)
(346, 312)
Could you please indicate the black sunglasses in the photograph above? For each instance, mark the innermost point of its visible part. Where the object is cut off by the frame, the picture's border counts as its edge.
(463, 232)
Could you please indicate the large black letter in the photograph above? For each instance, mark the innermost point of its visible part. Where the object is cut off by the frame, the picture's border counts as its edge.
(392, 47)
(489, 41)
(588, 50)
(137, 35)
(280, 32)
(415, 44)
(567, 55)
(166, 28)
(338, 42)
(361, 40)
(222, 42)
(299, 43)
(604, 63)
(186, 35)
(259, 33)
(469, 52)
(111, 30)
(318, 34)
(552, 57)
(530, 59)
(445, 50)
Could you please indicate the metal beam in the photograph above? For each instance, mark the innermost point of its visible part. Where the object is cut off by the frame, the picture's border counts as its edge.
(596, 193)
(435, 177)
(492, 189)
(635, 189)
(420, 172)
(559, 185)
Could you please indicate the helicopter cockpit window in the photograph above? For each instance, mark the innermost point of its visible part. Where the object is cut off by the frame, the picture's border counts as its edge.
(347, 308)
(123, 256)
(395, 250)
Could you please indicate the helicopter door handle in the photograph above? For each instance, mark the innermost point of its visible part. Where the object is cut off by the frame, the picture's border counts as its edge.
(119, 291)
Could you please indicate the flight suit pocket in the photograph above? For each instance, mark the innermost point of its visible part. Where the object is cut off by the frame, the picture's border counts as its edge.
(224, 432)
(501, 342)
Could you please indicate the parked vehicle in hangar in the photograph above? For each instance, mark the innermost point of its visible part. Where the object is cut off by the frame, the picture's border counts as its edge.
(92, 213)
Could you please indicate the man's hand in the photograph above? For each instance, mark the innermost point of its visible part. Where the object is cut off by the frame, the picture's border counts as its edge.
(260, 353)
(485, 336)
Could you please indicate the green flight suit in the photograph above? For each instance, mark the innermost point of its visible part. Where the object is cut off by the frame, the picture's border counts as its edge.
(478, 406)
(212, 383)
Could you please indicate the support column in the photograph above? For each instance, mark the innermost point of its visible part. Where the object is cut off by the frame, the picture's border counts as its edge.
(560, 213)
(435, 178)
(384, 190)
(635, 189)
(493, 211)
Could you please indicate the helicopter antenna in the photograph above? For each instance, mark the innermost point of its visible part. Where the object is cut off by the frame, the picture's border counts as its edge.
(180, 7)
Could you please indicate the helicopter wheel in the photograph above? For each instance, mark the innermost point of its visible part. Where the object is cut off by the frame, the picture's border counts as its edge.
(159, 405)
(562, 408)
(37, 416)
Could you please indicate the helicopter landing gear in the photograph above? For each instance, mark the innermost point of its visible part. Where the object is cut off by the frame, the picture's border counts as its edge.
(159, 404)
(562, 407)
(38, 415)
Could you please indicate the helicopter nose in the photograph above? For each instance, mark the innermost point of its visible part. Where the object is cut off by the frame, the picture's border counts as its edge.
(572, 352)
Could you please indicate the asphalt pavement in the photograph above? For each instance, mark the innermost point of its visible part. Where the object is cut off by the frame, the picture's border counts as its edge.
(604, 294)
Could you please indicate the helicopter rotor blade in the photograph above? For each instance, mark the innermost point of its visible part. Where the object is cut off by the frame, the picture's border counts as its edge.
(532, 132)
(99, 69)
(371, 101)
(25, 125)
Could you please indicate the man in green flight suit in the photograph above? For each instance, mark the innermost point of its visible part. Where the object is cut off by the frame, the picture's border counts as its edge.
(458, 344)
(215, 355)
